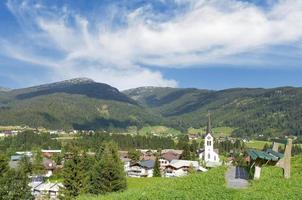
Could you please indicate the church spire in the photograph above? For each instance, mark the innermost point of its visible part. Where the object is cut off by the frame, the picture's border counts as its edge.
(209, 129)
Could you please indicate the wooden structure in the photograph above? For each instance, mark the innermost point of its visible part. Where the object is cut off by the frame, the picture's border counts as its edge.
(272, 157)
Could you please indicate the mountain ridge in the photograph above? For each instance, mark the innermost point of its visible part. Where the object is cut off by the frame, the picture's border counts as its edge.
(82, 103)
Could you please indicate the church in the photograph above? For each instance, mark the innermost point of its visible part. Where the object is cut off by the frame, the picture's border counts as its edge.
(209, 155)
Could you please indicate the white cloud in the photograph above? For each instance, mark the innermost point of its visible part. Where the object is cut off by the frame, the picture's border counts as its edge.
(201, 32)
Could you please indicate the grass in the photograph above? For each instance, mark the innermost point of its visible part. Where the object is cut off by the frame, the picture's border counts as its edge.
(159, 130)
(218, 131)
(211, 185)
(257, 144)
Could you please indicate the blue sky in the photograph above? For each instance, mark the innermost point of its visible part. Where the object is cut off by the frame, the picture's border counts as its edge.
(212, 44)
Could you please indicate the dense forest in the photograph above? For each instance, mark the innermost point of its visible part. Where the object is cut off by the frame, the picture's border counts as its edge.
(251, 112)
(28, 141)
(86, 105)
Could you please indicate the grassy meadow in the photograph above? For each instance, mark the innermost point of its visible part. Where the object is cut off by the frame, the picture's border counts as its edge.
(212, 185)
(218, 131)
(257, 144)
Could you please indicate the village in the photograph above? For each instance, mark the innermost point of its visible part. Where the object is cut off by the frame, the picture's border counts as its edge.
(165, 163)
(171, 164)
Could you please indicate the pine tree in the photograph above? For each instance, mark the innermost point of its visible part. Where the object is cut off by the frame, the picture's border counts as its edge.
(74, 176)
(37, 163)
(156, 170)
(3, 165)
(108, 173)
(14, 183)
(134, 155)
(186, 155)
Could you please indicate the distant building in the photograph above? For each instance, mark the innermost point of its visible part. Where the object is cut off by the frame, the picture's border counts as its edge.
(50, 153)
(49, 166)
(178, 168)
(208, 154)
(167, 157)
(142, 168)
(46, 190)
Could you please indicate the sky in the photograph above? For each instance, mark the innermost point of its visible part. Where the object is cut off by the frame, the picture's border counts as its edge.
(209, 44)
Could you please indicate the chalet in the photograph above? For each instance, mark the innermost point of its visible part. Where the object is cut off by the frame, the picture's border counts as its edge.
(19, 155)
(147, 154)
(178, 168)
(46, 190)
(143, 168)
(193, 136)
(49, 166)
(167, 157)
(125, 159)
(179, 152)
(50, 153)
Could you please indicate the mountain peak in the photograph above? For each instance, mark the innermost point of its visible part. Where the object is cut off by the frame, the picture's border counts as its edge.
(79, 80)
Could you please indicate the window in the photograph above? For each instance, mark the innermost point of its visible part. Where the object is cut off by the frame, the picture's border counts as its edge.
(215, 158)
(208, 143)
(209, 156)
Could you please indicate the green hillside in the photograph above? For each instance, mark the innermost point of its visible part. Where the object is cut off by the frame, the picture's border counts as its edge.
(85, 104)
(211, 185)
(249, 111)
(77, 103)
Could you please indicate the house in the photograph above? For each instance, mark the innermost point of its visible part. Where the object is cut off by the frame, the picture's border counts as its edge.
(46, 190)
(19, 155)
(178, 168)
(147, 154)
(143, 168)
(179, 152)
(49, 166)
(125, 159)
(127, 163)
(193, 136)
(167, 157)
(208, 155)
(50, 153)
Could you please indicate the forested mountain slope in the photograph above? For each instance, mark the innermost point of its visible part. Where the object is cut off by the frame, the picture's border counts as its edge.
(77, 103)
(250, 111)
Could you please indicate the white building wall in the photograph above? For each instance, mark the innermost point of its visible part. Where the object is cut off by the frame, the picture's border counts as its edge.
(209, 155)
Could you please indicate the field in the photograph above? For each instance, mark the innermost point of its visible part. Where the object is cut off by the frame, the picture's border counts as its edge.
(257, 144)
(211, 185)
(218, 131)
(158, 130)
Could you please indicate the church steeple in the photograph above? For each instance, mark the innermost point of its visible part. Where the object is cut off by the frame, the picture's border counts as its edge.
(209, 129)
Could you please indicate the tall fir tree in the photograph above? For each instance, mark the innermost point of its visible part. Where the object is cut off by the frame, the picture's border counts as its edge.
(14, 183)
(186, 154)
(156, 169)
(3, 165)
(108, 174)
(74, 176)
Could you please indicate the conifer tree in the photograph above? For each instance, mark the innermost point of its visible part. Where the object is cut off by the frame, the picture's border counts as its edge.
(14, 183)
(3, 165)
(74, 176)
(134, 155)
(186, 155)
(156, 170)
(108, 173)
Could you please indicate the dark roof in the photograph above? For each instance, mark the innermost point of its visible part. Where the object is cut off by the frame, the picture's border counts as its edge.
(49, 164)
(261, 154)
(170, 156)
(146, 163)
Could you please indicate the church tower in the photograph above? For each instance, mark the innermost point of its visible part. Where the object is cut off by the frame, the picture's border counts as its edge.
(209, 143)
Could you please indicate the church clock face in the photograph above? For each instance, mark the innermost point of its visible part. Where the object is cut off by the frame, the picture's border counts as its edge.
(209, 138)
